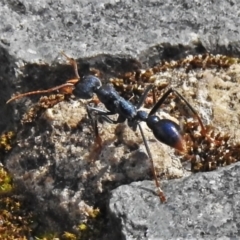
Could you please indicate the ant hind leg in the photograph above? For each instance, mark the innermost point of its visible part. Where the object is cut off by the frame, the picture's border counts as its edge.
(157, 183)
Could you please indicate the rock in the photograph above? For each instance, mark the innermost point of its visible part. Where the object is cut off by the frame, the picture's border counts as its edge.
(39, 30)
(199, 206)
(53, 158)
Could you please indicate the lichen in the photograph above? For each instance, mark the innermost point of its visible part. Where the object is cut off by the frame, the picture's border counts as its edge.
(6, 185)
(14, 220)
(6, 141)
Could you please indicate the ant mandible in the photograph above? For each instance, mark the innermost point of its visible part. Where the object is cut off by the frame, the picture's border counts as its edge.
(165, 130)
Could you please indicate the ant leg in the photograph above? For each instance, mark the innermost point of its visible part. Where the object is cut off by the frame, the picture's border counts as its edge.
(120, 119)
(160, 101)
(192, 109)
(105, 115)
(166, 94)
(160, 191)
(73, 63)
(99, 111)
(154, 96)
(144, 95)
(98, 140)
(102, 113)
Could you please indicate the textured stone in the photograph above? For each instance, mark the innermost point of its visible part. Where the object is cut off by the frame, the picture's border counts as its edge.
(201, 206)
(51, 159)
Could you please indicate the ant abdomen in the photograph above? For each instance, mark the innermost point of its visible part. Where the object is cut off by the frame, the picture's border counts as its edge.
(167, 132)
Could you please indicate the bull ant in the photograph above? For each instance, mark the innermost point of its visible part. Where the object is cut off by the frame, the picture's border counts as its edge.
(165, 130)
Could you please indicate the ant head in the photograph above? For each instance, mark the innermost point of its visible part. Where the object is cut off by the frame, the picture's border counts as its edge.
(86, 87)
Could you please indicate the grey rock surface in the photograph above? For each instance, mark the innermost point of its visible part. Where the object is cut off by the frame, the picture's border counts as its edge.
(202, 206)
(144, 29)
(112, 35)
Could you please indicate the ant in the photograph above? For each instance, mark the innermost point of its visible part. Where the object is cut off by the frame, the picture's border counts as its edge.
(164, 130)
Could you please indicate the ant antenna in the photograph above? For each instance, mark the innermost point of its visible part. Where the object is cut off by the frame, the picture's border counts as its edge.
(73, 63)
(66, 86)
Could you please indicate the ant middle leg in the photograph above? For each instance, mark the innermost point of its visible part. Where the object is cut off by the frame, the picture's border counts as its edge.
(104, 114)
(144, 96)
(98, 139)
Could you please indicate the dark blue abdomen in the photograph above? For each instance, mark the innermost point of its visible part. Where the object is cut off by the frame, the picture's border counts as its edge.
(167, 132)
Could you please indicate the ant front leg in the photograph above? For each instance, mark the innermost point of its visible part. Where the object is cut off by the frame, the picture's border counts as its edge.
(93, 114)
(104, 115)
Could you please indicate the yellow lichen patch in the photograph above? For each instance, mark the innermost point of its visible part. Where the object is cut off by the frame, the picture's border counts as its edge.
(14, 220)
(69, 236)
(48, 236)
(94, 212)
(6, 141)
(82, 227)
(91, 228)
(5, 181)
